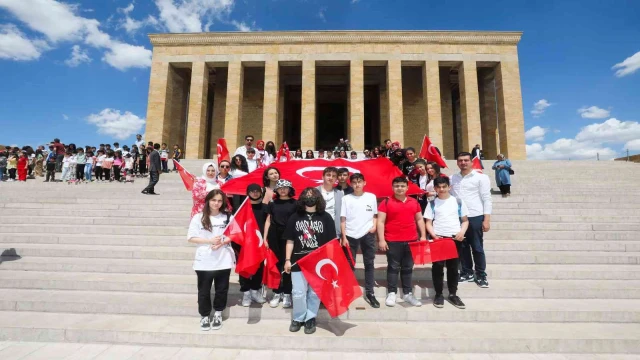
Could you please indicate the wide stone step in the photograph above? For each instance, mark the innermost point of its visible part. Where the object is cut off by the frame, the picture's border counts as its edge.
(76, 279)
(481, 310)
(170, 229)
(337, 335)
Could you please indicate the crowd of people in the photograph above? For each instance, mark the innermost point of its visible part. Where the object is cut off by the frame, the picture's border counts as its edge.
(456, 207)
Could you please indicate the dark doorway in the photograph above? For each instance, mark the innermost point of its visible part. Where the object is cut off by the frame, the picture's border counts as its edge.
(292, 116)
(371, 116)
(331, 115)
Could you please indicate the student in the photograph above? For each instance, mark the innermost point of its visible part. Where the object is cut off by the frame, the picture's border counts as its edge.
(3, 164)
(358, 215)
(446, 217)
(398, 218)
(51, 165)
(164, 157)
(107, 164)
(66, 167)
(320, 154)
(142, 160)
(118, 162)
(177, 154)
(81, 160)
(89, 165)
(329, 155)
(250, 287)
(343, 175)
(278, 213)
(332, 196)
(214, 258)
(409, 165)
(99, 159)
(308, 229)
(270, 177)
(128, 167)
(22, 165)
(252, 163)
(354, 155)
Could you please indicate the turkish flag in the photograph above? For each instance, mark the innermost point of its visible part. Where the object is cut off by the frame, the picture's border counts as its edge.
(187, 178)
(430, 153)
(421, 252)
(223, 151)
(378, 172)
(244, 231)
(271, 276)
(427, 252)
(283, 151)
(329, 274)
(476, 164)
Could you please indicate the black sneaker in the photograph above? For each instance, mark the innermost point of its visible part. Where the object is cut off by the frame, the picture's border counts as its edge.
(465, 277)
(310, 326)
(217, 321)
(295, 326)
(438, 301)
(371, 299)
(481, 280)
(205, 324)
(455, 301)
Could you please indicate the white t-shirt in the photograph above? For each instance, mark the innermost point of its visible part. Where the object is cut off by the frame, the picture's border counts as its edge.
(447, 221)
(330, 198)
(358, 212)
(206, 258)
(252, 164)
(100, 159)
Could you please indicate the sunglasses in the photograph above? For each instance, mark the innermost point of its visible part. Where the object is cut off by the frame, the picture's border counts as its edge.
(224, 166)
(248, 139)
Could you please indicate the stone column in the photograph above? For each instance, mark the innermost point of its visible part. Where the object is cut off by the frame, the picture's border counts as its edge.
(488, 114)
(431, 93)
(197, 121)
(233, 110)
(271, 101)
(469, 106)
(308, 116)
(219, 108)
(159, 104)
(394, 93)
(510, 116)
(356, 105)
(448, 135)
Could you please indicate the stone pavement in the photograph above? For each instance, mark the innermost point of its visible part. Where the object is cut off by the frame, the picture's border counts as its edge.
(101, 271)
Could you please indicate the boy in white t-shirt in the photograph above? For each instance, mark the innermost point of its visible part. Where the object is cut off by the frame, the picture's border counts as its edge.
(446, 217)
(358, 213)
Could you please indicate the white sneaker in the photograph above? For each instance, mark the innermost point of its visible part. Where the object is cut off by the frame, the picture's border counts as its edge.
(409, 298)
(286, 303)
(256, 296)
(391, 299)
(216, 322)
(275, 300)
(246, 299)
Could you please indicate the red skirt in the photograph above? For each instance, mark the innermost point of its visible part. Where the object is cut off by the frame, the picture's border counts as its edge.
(22, 174)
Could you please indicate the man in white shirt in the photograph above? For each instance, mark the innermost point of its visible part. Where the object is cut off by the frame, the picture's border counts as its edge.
(475, 190)
(358, 214)
(248, 144)
(332, 195)
(139, 142)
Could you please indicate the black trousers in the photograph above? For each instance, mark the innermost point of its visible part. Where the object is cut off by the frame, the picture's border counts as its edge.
(505, 189)
(399, 261)
(220, 280)
(251, 283)
(367, 244)
(98, 172)
(59, 158)
(154, 176)
(51, 171)
(12, 174)
(142, 168)
(278, 246)
(106, 173)
(117, 172)
(79, 171)
(437, 274)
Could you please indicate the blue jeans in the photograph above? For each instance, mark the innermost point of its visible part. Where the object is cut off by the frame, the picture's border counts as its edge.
(2, 170)
(87, 171)
(473, 244)
(305, 301)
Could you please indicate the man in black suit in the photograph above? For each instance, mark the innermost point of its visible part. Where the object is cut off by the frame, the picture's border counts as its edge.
(154, 170)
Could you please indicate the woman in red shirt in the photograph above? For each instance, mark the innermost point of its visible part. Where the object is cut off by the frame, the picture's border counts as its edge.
(23, 165)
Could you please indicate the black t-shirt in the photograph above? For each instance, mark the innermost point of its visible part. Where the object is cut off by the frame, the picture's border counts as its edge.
(260, 212)
(280, 211)
(408, 171)
(348, 190)
(308, 232)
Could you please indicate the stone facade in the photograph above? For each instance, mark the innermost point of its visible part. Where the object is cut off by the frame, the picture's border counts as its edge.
(308, 88)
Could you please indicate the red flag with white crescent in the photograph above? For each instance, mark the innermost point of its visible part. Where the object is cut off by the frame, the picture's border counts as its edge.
(329, 274)
(244, 231)
(271, 276)
(379, 173)
(430, 153)
(476, 164)
(223, 151)
(187, 178)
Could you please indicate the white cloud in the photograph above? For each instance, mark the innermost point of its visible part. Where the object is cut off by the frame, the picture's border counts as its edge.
(126, 10)
(633, 145)
(78, 56)
(59, 22)
(64, 116)
(536, 133)
(321, 14)
(628, 66)
(115, 124)
(569, 149)
(539, 107)
(14, 45)
(612, 130)
(593, 112)
(187, 15)
(242, 26)
(123, 56)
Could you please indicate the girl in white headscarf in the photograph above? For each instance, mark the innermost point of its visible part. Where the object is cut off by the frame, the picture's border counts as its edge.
(203, 185)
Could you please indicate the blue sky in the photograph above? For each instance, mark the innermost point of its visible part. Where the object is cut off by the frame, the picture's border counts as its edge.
(80, 70)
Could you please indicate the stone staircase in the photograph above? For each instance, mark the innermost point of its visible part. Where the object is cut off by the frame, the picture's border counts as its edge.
(102, 263)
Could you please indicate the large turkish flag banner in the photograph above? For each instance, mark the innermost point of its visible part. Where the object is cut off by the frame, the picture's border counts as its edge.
(308, 173)
(329, 274)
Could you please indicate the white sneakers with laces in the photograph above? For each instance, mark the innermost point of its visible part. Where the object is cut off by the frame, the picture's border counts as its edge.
(409, 298)
(391, 299)
(246, 298)
(275, 300)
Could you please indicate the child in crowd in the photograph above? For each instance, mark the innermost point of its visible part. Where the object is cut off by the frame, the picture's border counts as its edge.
(72, 167)
(128, 168)
(329, 155)
(343, 176)
(23, 164)
(142, 160)
(98, 161)
(177, 154)
(354, 155)
(51, 165)
(250, 287)
(107, 164)
(214, 258)
(135, 153)
(81, 161)
(12, 165)
(66, 167)
(164, 157)
(117, 165)
(89, 165)
(3, 164)
(446, 218)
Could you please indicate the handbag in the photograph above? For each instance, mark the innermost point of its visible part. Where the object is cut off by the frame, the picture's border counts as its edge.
(511, 172)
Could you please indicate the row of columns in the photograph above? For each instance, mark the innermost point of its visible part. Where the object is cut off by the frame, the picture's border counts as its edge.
(439, 124)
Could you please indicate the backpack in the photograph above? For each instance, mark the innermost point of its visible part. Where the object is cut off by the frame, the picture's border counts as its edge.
(433, 208)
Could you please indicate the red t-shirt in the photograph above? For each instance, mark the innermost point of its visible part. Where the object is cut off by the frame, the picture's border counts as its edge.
(400, 223)
(59, 147)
